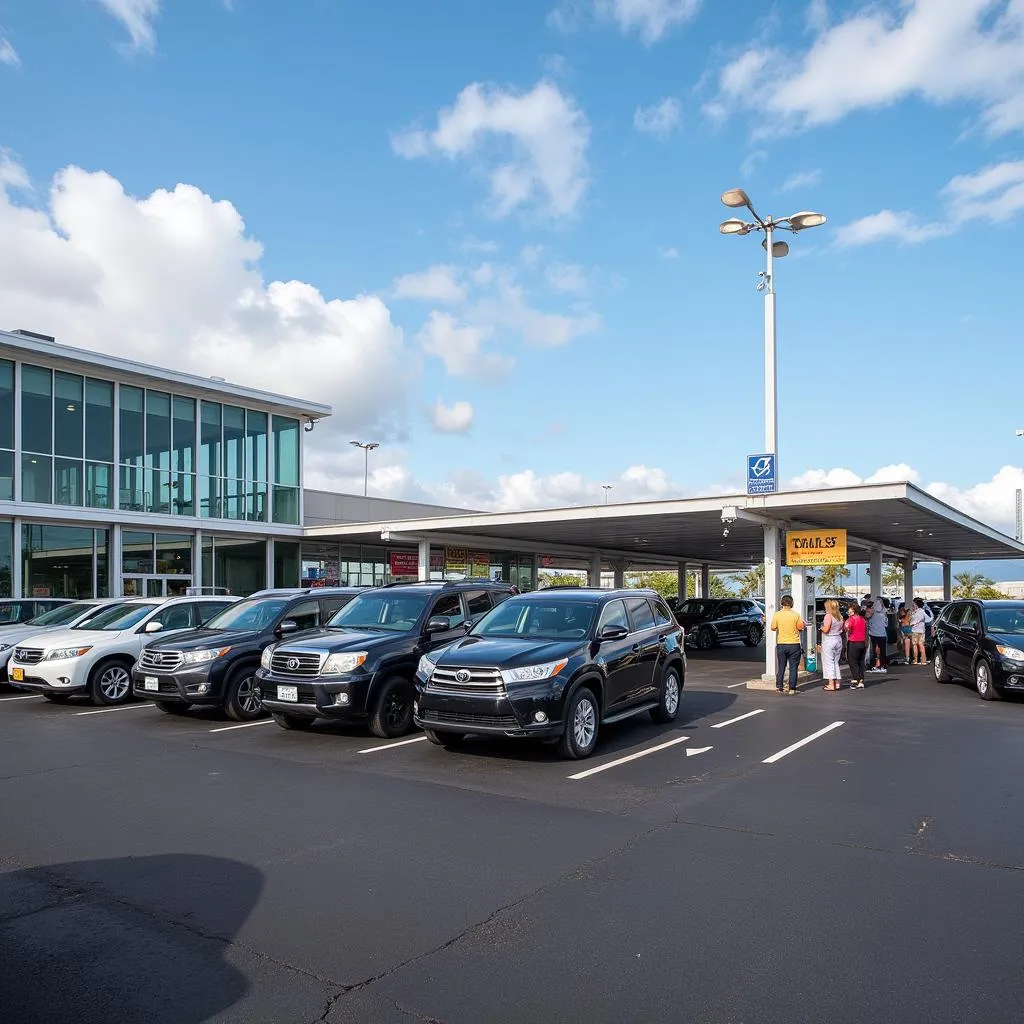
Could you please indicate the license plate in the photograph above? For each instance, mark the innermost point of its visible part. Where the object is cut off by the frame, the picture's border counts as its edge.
(151, 683)
(288, 693)
(17, 675)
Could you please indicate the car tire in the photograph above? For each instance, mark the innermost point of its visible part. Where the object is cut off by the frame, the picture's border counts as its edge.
(444, 739)
(670, 696)
(983, 681)
(705, 639)
(110, 683)
(169, 708)
(242, 700)
(939, 667)
(392, 712)
(293, 723)
(57, 698)
(755, 634)
(582, 719)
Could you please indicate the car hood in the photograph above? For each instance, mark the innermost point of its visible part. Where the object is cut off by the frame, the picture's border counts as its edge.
(335, 640)
(13, 635)
(201, 639)
(1006, 639)
(507, 653)
(71, 637)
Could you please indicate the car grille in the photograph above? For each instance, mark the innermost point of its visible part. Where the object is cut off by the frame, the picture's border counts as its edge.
(28, 655)
(166, 661)
(483, 681)
(470, 720)
(295, 663)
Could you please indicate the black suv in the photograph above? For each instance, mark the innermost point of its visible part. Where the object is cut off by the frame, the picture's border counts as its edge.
(709, 622)
(982, 641)
(216, 665)
(555, 664)
(362, 665)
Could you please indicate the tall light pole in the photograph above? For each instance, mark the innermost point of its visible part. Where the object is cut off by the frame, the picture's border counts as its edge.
(1019, 533)
(607, 488)
(367, 447)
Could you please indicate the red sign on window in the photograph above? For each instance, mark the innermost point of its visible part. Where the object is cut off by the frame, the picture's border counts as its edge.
(404, 563)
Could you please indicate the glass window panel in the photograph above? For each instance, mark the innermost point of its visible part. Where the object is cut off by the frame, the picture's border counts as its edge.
(67, 482)
(286, 452)
(158, 430)
(132, 494)
(184, 434)
(36, 409)
(36, 471)
(6, 403)
(57, 561)
(207, 562)
(286, 563)
(68, 415)
(99, 420)
(99, 485)
(286, 505)
(174, 554)
(234, 442)
(183, 487)
(241, 565)
(256, 502)
(7, 476)
(233, 499)
(136, 551)
(209, 497)
(102, 577)
(6, 558)
(130, 402)
(158, 491)
(255, 445)
(209, 438)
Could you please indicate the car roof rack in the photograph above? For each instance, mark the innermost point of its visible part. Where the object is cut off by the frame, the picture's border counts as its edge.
(448, 583)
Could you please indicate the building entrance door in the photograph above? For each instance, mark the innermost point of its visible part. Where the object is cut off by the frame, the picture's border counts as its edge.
(155, 586)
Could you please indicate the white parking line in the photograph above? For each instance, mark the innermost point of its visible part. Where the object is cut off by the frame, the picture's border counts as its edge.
(24, 696)
(123, 707)
(388, 746)
(801, 743)
(732, 686)
(244, 725)
(629, 757)
(749, 714)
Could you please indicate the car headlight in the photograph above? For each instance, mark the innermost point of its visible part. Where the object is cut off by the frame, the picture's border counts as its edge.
(425, 669)
(201, 657)
(1013, 653)
(65, 653)
(528, 673)
(340, 663)
(265, 657)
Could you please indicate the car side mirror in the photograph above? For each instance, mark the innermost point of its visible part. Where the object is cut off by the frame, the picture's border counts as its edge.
(153, 626)
(613, 633)
(287, 626)
(438, 624)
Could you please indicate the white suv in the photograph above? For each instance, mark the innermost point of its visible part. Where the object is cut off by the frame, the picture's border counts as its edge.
(96, 657)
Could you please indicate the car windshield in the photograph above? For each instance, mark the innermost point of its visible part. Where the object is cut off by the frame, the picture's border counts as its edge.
(1005, 620)
(121, 616)
(257, 613)
(696, 608)
(396, 613)
(538, 619)
(10, 612)
(61, 614)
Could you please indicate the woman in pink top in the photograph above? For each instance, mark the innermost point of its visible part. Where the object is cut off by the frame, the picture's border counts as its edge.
(856, 628)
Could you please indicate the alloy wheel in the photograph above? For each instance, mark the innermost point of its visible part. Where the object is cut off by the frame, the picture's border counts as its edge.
(249, 697)
(395, 710)
(982, 678)
(671, 694)
(584, 723)
(114, 682)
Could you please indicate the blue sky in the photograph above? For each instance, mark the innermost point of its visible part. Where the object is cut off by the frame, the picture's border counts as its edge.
(488, 232)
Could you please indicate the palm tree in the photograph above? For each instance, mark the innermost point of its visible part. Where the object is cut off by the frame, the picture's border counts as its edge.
(968, 584)
(830, 579)
(751, 584)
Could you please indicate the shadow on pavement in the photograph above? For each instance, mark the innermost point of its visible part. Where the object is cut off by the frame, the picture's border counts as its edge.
(132, 939)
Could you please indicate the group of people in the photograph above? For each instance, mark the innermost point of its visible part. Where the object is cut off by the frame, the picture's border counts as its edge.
(866, 632)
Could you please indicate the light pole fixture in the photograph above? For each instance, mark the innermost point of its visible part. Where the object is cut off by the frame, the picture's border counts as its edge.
(607, 488)
(367, 447)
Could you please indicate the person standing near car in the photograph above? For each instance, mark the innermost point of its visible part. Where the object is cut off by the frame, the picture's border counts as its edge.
(878, 636)
(856, 628)
(919, 619)
(787, 625)
(831, 644)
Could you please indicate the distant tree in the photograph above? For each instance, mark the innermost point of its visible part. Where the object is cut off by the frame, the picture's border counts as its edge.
(830, 579)
(561, 579)
(750, 584)
(665, 583)
(977, 585)
(892, 575)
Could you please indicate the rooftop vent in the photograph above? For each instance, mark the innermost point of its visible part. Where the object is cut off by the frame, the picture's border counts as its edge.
(33, 334)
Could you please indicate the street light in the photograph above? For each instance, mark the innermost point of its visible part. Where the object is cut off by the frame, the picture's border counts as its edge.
(607, 488)
(367, 447)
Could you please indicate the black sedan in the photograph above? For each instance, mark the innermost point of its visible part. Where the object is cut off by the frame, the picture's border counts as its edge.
(982, 641)
(709, 622)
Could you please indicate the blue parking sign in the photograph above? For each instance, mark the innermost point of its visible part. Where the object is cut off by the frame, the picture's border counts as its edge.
(761, 474)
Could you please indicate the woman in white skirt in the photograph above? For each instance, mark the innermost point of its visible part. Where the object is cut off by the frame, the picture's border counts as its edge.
(831, 644)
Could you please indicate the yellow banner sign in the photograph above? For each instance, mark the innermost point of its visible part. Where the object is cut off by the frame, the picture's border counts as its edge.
(815, 547)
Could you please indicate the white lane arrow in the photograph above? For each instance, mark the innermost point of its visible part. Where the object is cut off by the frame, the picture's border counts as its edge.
(690, 751)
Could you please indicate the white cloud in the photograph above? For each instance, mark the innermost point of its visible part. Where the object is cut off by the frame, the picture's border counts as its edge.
(507, 307)
(458, 346)
(530, 254)
(566, 277)
(471, 244)
(817, 16)
(543, 133)
(801, 179)
(8, 54)
(752, 162)
(943, 51)
(436, 284)
(456, 418)
(660, 119)
(174, 279)
(901, 226)
(649, 19)
(137, 16)
(12, 174)
(669, 253)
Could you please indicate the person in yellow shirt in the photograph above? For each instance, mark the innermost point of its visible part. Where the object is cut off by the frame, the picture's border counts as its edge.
(787, 625)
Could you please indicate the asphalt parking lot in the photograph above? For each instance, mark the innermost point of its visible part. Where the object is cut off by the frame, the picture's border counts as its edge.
(853, 857)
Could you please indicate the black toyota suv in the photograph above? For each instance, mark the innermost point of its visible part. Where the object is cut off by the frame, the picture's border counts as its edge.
(361, 666)
(555, 664)
(982, 641)
(712, 621)
(216, 665)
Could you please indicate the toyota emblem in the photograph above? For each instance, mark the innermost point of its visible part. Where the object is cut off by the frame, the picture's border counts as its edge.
(292, 664)
(462, 676)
